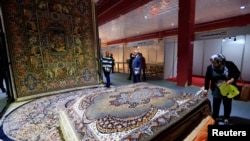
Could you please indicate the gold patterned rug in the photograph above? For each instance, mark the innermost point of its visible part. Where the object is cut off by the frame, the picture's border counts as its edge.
(131, 112)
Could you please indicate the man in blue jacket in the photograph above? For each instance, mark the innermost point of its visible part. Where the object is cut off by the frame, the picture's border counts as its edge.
(136, 65)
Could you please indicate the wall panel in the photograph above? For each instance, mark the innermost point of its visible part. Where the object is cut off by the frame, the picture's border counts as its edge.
(198, 57)
(170, 60)
(233, 50)
(246, 58)
(212, 46)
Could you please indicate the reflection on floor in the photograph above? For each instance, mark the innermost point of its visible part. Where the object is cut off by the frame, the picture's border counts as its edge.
(3, 102)
(197, 81)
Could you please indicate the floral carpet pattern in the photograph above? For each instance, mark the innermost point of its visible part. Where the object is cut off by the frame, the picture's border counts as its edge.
(129, 113)
(38, 120)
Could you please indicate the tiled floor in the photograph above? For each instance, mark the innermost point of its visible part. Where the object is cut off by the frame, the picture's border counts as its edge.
(240, 110)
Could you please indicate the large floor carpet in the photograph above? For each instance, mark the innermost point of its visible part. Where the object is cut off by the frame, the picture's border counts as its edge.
(38, 120)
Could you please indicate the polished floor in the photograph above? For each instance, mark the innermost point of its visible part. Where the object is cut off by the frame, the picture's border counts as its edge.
(240, 111)
(4, 103)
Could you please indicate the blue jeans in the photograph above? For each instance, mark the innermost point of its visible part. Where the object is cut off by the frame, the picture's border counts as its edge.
(137, 78)
(107, 76)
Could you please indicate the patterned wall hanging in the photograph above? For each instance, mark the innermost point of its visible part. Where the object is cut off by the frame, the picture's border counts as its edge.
(52, 44)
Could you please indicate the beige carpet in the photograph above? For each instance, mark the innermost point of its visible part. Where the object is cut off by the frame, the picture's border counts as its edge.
(130, 112)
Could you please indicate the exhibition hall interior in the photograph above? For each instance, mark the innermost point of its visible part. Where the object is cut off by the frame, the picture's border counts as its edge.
(54, 83)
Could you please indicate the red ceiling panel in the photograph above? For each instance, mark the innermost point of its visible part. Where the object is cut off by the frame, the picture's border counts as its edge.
(108, 10)
(104, 5)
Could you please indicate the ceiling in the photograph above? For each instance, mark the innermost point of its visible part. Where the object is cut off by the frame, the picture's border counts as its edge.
(121, 19)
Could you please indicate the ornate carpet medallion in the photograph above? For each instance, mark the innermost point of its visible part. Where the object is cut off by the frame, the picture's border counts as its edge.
(128, 112)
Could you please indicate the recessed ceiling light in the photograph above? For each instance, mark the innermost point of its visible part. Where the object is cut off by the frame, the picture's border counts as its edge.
(242, 7)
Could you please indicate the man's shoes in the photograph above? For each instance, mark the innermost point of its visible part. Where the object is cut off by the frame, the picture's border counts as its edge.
(3, 90)
(226, 122)
(129, 78)
(107, 87)
(217, 121)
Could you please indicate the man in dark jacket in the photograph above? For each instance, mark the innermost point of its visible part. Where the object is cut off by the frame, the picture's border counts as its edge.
(130, 62)
(143, 67)
(136, 65)
(220, 71)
